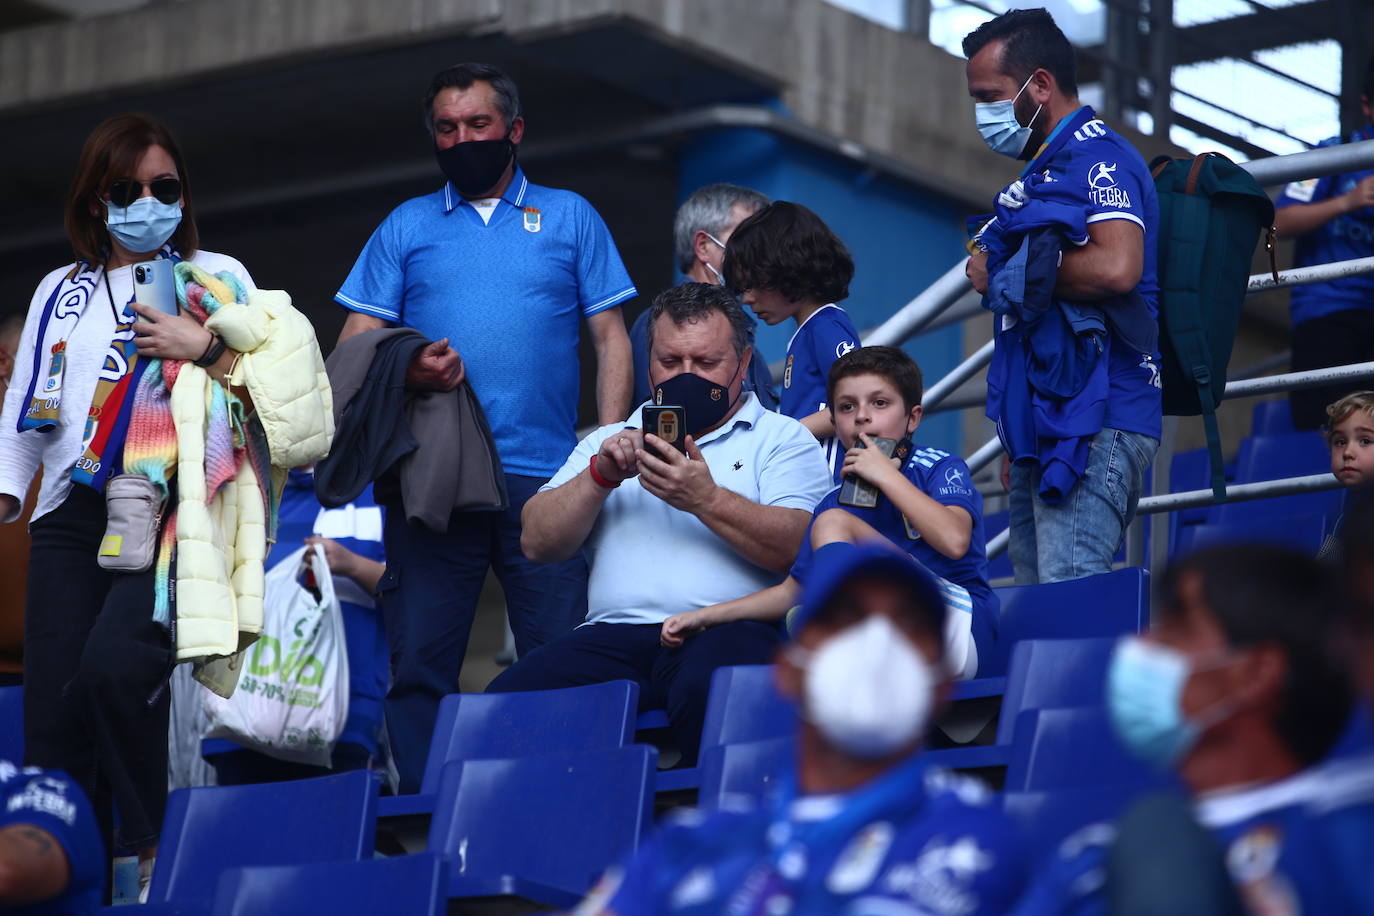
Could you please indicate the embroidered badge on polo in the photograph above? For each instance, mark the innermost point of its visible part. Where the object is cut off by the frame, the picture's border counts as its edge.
(787, 373)
(531, 219)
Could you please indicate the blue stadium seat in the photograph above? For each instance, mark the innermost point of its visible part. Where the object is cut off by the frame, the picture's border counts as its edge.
(1190, 470)
(1072, 749)
(1271, 417)
(212, 829)
(12, 724)
(1044, 673)
(415, 885)
(1304, 533)
(749, 768)
(506, 725)
(994, 523)
(1047, 817)
(743, 705)
(541, 828)
(1274, 457)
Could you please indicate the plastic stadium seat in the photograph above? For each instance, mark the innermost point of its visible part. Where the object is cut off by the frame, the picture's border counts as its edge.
(414, 885)
(1044, 673)
(212, 829)
(1303, 533)
(749, 768)
(1271, 417)
(541, 828)
(506, 725)
(1072, 749)
(12, 724)
(994, 523)
(1275, 457)
(1046, 818)
(1190, 470)
(743, 705)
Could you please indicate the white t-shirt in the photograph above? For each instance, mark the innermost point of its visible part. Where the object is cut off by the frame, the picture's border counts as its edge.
(21, 454)
(650, 561)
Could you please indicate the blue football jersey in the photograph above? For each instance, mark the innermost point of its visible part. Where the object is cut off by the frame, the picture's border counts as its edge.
(821, 339)
(1297, 846)
(50, 801)
(916, 840)
(1348, 236)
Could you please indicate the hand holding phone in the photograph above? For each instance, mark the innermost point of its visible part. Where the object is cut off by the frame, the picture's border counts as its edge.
(154, 285)
(667, 422)
(854, 490)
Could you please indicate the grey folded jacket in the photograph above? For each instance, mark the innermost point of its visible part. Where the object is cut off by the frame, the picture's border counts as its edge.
(435, 445)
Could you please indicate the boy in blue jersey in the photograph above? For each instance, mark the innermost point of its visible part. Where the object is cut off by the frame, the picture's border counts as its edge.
(784, 262)
(861, 825)
(928, 509)
(1240, 689)
(51, 859)
(1332, 219)
(1021, 76)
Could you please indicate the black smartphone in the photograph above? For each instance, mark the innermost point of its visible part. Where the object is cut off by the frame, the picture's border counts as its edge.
(857, 492)
(668, 423)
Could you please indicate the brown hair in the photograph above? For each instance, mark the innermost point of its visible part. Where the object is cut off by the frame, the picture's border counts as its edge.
(112, 151)
(1337, 412)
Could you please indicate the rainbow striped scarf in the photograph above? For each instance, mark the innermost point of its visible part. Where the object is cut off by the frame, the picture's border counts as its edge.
(150, 448)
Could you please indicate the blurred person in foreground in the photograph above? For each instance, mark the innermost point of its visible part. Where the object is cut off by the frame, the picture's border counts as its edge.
(1241, 691)
(862, 825)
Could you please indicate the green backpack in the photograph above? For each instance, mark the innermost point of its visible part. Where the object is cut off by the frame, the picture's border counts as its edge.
(1211, 214)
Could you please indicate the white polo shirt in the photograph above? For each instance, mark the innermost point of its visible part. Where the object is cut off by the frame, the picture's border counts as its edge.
(650, 561)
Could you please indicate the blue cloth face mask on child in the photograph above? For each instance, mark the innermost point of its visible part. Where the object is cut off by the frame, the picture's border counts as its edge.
(999, 127)
(145, 225)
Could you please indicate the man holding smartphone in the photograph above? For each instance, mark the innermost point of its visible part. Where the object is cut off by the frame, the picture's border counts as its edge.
(668, 531)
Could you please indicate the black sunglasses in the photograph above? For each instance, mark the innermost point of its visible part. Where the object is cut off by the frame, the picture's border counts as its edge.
(126, 190)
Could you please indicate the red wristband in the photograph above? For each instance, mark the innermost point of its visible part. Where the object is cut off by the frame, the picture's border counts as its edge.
(602, 481)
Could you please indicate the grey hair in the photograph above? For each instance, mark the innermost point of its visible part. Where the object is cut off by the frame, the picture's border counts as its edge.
(709, 209)
(694, 301)
(462, 76)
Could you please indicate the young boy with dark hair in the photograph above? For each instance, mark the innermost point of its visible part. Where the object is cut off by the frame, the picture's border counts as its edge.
(784, 262)
(927, 508)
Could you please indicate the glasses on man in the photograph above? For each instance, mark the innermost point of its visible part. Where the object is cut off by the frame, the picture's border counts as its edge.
(126, 190)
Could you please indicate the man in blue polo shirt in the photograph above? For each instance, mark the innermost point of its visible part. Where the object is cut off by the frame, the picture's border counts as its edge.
(1332, 219)
(1021, 76)
(498, 272)
(668, 531)
(860, 824)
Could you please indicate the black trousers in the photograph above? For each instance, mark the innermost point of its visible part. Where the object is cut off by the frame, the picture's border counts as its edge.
(95, 664)
(1337, 339)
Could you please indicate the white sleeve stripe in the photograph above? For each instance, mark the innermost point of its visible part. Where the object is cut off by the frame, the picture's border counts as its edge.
(374, 310)
(613, 299)
(1099, 217)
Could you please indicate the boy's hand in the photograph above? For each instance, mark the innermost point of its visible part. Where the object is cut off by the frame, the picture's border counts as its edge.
(870, 463)
(677, 628)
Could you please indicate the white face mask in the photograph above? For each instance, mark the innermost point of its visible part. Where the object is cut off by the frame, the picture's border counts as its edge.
(868, 689)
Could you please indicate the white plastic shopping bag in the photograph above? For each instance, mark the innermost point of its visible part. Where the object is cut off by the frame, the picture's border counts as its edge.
(292, 696)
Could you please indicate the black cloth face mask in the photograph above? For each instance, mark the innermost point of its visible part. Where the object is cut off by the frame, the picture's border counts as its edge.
(474, 167)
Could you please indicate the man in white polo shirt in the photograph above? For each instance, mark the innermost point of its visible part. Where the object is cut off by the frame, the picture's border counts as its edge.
(667, 532)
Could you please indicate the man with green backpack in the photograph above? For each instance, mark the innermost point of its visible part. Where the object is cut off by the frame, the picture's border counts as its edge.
(1100, 437)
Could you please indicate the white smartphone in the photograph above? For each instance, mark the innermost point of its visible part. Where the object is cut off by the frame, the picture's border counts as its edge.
(154, 285)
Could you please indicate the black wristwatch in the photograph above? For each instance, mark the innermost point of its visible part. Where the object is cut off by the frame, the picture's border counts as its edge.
(212, 352)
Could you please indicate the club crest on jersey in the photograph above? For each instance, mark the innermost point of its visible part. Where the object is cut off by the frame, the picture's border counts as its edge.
(531, 219)
(787, 372)
(1102, 189)
(858, 864)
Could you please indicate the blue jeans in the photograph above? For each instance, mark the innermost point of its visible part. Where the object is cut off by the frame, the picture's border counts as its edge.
(1079, 536)
(429, 598)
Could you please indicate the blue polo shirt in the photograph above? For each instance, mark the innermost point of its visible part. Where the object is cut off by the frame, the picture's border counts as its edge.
(1344, 238)
(50, 801)
(1108, 177)
(509, 296)
(913, 840)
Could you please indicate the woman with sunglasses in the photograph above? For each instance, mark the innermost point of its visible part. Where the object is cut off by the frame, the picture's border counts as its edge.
(96, 663)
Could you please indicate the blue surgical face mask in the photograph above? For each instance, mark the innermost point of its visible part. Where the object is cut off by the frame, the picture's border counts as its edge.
(1145, 684)
(145, 225)
(999, 127)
